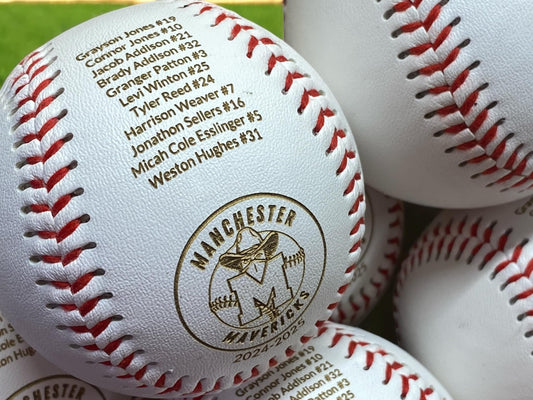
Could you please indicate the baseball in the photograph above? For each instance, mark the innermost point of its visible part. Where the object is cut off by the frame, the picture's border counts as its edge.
(380, 251)
(25, 375)
(182, 202)
(344, 363)
(464, 298)
(437, 93)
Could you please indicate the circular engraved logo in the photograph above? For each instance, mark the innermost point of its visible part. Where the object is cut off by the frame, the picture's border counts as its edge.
(58, 387)
(250, 271)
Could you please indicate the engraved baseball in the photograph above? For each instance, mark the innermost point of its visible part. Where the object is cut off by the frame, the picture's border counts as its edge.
(25, 375)
(380, 251)
(343, 363)
(437, 93)
(183, 200)
(464, 301)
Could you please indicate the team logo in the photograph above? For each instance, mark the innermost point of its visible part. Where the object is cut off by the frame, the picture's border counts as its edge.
(256, 265)
(58, 387)
(256, 278)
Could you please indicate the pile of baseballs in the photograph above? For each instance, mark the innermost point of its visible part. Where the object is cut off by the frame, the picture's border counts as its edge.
(195, 208)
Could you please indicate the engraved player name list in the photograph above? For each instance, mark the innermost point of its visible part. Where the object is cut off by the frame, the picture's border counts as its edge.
(25, 375)
(183, 114)
(12, 347)
(307, 375)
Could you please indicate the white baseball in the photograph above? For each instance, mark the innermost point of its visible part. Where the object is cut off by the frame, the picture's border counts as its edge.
(182, 202)
(464, 301)
(437, 92)
(380, 251)
(25, 375)
(343, 363)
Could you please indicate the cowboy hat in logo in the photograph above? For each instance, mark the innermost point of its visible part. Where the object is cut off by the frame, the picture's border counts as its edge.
(258, 262)
(256, 278)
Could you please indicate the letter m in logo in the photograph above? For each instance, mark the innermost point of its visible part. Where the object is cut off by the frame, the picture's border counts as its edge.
(261, 290)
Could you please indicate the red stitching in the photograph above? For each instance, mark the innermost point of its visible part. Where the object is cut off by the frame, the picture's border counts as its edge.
(27, 73)
(41, 106)
(338, 134)
(53, 149)
(360, 302)
(78, 285)
(392, 368)
(32, 71)
(21, 64)
(291, 77)
(360, 200)
(402, 6)
(432, 241)
(60, 204)
(348, 155)
(67, 230)
(307, 96)
(33, 97)
(516, 164)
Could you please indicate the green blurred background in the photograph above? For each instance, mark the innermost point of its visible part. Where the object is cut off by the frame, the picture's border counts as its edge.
(25, 26)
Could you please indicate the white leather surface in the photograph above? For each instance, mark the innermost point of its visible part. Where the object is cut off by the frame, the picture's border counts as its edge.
(141, 232)
(26, 375)
(352, 46)
(357, 365)
(384, 222)
(465, 324)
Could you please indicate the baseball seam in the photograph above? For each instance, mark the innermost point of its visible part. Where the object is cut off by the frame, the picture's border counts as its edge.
(394, 369)
(357, 304)
(513, 171)
(42, 134)
(371, 353)
(465, 240)
(65, 256)
(38, 67)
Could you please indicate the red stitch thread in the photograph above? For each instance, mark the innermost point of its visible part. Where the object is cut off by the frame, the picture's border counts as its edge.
(526, 274)
(64, 232)
(388, 372)
(396, 212)
(391, 368)
(485, 238)
(65, 260)
(125, 361)
(68, 307)
(291, 77)
(350, 269)
(402, 6)
(72, 226)
(327, 113)
(274, 60)
(81, 282)
(47, 127)
(88, 306)
(54, 179)
(111, 347)
(360, 200)
(41, 106)
(338, 134)
(515, 165)
(26, 73)
(33, 97)
(306, 97)
(347, 156)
